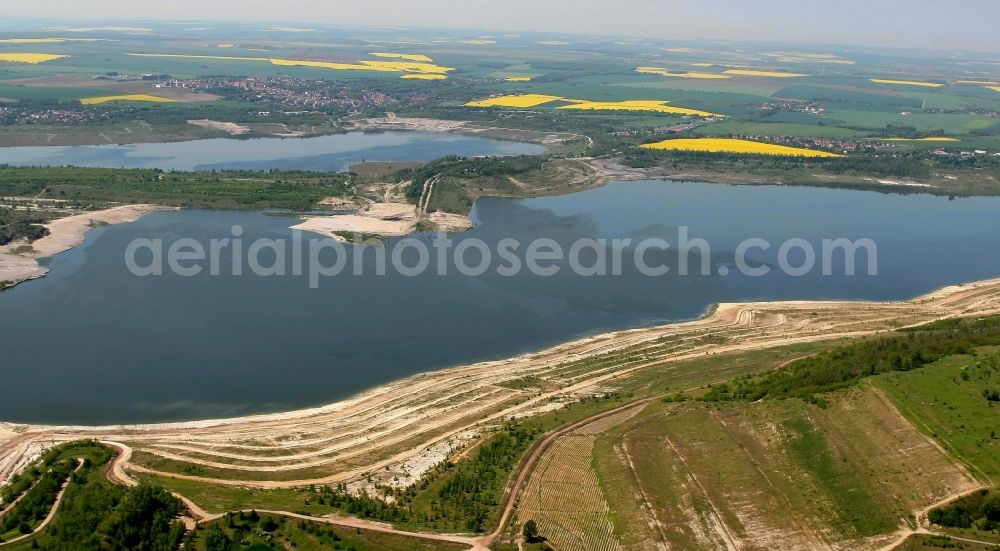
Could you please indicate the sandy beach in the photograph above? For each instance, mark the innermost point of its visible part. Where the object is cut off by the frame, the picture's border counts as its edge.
(18, 260)
(383, 220)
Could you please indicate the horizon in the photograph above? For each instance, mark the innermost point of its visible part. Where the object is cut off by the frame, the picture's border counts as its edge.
(894, 24)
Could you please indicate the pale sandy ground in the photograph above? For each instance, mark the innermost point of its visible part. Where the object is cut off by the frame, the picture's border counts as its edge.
(383, 219)
(64, 234)
(898, 183)
(231, 128)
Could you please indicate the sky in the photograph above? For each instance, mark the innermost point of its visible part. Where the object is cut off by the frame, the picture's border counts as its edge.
(934, 24)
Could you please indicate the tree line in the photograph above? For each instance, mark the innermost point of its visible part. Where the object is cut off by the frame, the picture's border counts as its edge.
(846, 365)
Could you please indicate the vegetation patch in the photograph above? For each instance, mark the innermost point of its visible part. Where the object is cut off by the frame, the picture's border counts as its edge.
(980, 510)
(95, 514)
(263, 532)
(845, 366)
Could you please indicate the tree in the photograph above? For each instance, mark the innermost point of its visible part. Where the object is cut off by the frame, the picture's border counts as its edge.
(530, 531)
(216, 540)
(991, 507)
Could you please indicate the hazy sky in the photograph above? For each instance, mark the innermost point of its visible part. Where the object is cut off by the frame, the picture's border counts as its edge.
(939, 24)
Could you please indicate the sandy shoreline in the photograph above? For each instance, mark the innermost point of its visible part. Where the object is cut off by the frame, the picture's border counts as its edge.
(383, 220)
(399, 426)
(19, 260)
(950, 301)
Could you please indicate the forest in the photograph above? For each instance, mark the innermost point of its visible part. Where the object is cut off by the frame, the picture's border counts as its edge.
(94, 514)
(229, 189)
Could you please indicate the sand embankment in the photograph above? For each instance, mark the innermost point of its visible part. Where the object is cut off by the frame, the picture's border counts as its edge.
(383, 220)
(230, 128)
(18, 260)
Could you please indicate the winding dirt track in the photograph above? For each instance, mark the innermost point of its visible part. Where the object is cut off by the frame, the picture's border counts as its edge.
(401, 422)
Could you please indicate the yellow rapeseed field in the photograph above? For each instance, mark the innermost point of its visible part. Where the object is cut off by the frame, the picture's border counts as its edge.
(126, 97)
(424, 76)
(637, 105)
(727, 145)
(667, 73)
(405, 67)
(409, 57)
(518, 79)
(527, 100)
(928, 139)
(18, 57)
(753, 73)
(986, 83)
(906, 82)
(994, 88)
(409, 67)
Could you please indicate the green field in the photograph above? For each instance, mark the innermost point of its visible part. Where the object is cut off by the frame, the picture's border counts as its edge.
(945, 400)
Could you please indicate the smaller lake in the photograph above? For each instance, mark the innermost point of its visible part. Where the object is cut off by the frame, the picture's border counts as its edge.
(322, 153)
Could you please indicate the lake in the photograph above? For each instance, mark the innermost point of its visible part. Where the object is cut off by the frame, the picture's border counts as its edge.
(93, 343)
(328, 153)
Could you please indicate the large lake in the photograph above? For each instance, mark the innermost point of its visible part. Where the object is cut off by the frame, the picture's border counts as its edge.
(92, 343)
(334, 152)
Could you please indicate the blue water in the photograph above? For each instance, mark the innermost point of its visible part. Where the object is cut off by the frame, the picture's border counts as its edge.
(92, 343)
(335, 152)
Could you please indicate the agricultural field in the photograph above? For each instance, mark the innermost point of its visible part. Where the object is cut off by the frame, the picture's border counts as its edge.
(718, 145)
(950, 402)
(779, 473)
(564, 496)
(619, 94)
(97, 100)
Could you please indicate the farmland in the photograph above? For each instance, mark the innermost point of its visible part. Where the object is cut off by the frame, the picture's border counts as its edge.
(714, 145)
(751, 476)
(744, 429)
(33, 59)
(97, 100)
(620, 96)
